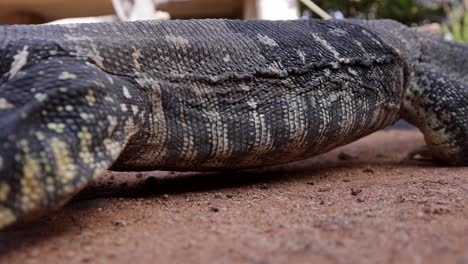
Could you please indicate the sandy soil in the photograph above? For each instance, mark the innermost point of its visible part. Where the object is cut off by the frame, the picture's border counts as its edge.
(355, 204)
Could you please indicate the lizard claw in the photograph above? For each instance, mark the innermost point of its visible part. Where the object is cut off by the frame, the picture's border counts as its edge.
(421, 153)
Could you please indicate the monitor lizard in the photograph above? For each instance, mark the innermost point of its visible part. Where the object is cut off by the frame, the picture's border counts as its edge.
(200, 95)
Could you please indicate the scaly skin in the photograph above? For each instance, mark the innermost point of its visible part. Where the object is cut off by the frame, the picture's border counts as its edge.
(76, 100)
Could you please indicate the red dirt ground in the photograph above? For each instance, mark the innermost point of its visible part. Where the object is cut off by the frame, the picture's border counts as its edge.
(358, 203)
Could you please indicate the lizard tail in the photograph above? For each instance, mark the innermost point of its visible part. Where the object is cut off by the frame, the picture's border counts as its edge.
(57, 138)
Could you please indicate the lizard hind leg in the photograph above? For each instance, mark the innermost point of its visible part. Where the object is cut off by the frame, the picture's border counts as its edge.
(437, 103)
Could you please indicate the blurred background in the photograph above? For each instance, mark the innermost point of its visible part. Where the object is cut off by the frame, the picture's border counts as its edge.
(446, 17)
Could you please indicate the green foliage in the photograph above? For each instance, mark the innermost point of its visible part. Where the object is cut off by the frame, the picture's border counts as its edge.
(409, 12)
(454, 18)
(457, 27)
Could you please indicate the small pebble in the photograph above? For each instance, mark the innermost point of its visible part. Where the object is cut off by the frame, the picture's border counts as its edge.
(359, 200)
(401, 199)
(356, 191)
(119, 223)
(214, 209)
(443, 182)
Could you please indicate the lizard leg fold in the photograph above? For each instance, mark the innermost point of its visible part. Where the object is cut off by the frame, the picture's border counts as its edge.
(436, 102)
(61, 126)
